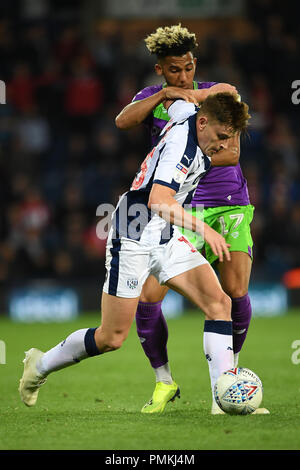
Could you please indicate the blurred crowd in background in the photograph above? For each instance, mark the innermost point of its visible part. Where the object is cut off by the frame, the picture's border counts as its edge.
(61, 155)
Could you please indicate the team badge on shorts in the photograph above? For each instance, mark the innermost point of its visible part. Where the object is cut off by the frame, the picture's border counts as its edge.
(132, 283)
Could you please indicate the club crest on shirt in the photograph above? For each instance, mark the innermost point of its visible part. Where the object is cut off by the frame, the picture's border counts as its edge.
(132, 283)
(180, 173)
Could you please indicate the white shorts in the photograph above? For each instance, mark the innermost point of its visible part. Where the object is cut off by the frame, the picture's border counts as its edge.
(129, 263)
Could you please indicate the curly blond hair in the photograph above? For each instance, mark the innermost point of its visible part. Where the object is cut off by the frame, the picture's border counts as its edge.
(171, 40)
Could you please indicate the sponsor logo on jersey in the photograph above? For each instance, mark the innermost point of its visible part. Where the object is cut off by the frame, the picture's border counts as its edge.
(181, 168)
(189, 160)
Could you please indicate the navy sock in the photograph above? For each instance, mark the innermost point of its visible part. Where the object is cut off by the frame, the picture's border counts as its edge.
(90, 343)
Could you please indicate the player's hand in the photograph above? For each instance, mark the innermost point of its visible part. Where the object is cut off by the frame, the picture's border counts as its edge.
(222, 88)
(217, 243)
(174, 93)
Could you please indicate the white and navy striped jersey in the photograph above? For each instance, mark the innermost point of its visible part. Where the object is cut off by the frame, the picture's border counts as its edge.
(176, 162)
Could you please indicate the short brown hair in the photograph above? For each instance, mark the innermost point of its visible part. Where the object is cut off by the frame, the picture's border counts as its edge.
(227, 109)
(171, 41)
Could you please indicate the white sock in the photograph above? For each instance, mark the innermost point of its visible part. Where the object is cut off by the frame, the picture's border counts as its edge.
(163, 374)
(236, 359)
(68, 352)
(217, 342)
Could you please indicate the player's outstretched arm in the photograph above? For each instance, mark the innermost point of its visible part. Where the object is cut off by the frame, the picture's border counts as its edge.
(201, 95)
(136, 112)
(162, 202)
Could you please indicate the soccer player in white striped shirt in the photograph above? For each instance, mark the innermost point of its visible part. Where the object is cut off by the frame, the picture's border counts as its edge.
(144, 240)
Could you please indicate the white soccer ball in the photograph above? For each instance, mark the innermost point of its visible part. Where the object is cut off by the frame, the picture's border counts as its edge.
(238, 391)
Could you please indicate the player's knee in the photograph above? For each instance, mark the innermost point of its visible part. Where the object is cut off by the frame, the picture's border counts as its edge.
(111, 345)
(235, 288)
(237, 292)
(114, 344)
(153, 296)
(109, 342)
(145, 298)
(150, 298)
(221, 308)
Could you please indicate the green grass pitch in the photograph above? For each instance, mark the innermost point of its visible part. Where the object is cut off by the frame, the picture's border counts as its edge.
(95, 405)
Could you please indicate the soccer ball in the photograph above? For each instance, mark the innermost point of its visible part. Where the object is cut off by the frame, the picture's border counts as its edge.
(238, 391)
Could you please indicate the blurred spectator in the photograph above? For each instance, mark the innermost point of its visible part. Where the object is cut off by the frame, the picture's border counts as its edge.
(293, 237)
(34, 211)
(72, 202)
(83, 96)
(126, 90)
(34, 9)
(25, 248)
(282, 142)
(67, 44)
(21, 88)
(50, 90)
(33, 132)
(61, 155)
(70, 260)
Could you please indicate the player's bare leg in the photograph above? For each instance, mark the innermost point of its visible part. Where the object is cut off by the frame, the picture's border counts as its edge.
(117, 317)
(234, 279)
(201, 286)
(152, 291)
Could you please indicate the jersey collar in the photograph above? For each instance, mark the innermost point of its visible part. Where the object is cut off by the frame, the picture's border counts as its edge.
(195, 85)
